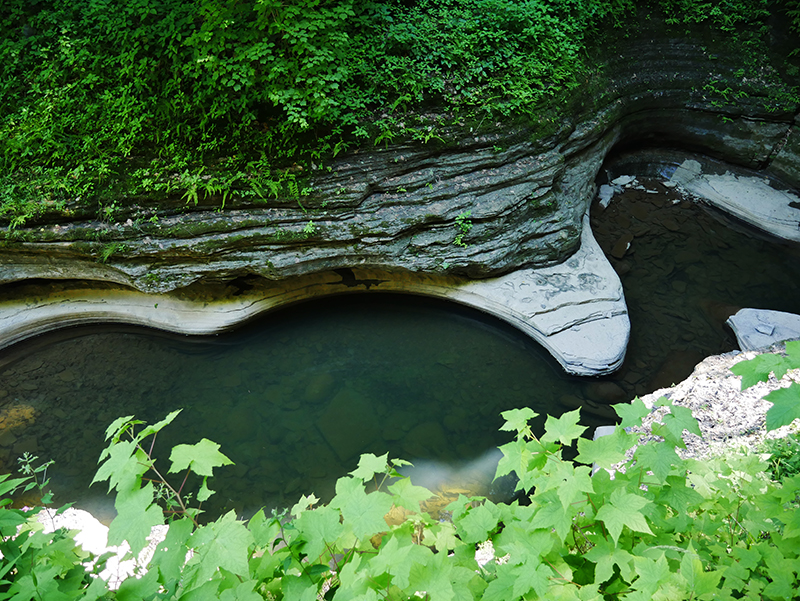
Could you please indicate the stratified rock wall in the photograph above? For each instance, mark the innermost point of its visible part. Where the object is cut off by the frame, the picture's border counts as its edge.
(523, 193)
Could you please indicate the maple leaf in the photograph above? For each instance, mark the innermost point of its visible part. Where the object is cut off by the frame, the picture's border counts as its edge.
(201, 458)
(369, 465)
(623, 509)
(409, 495)
(785, 406)
(631, 413)
(364, 512)
(758, 369)
(517, 420)
(319, 527)
(397, 557)
(605, 451)
(221, 544)
(136, 515)
(657, 457)
(564, 429)
(478, 522)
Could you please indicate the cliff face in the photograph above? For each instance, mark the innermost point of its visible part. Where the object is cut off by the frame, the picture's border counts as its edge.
(481, 204)
(478, 202)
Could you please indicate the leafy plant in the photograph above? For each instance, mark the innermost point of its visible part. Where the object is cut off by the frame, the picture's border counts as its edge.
(463, 225)
(628, 518)
(784, 456)
(785, 401)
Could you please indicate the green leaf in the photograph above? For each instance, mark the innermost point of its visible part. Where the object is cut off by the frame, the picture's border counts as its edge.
(264, 529)
(551, 514)
(569, 481)
(10, 519)
(201, 458)
(528, 577)
(123, 467)
(702, 584)
(517, 420)
(651, 573)
(299, 588)
(305, 503)
(369, 465)
(221, 544)
(158, 426)
(244, 591)
(6, 486)
(476, 524)
(170, 555)
(564, 429)
(605, 556)
(785, 406)
(758, 369)
(631, 413)
(397, 557)
(434, 577)
(117, 425)
(136, 516)
(676, 494)
(320, 528)
(442, 536)
(658, 457)
(605, 451)
(204, 493)
(405, 494)
(136, 589)
(514, 460)
(363, 512)
(623, 509)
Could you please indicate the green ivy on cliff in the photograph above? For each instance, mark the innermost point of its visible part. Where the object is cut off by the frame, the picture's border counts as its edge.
(107, 103)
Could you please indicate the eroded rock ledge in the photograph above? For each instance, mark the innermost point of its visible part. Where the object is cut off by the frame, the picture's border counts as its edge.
(472, 218)
(576, 310)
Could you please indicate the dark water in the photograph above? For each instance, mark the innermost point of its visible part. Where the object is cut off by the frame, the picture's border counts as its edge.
(687, 269)
(295, 397)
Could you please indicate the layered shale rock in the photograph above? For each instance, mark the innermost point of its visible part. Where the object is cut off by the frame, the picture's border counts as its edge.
(483, 203)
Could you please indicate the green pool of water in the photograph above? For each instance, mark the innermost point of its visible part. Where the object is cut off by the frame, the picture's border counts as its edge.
(293, 398)
(296, 396)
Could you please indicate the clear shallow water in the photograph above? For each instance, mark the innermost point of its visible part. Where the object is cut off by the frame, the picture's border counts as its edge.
(296, 396)
(687, 268)
(293, 398)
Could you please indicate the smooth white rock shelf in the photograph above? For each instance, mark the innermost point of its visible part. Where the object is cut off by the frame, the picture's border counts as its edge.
(576, 309)
(750, 199)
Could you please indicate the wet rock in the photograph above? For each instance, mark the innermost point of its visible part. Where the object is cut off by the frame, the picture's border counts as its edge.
(760, 328)
(66, 376)
(677, 366)
(348, 424)
(640, 210)
(622, 245)
(319, 387)
(243, 421)
(679, 286)
(623, 180)
(425, 441)
(751, 199)
(26, 445)
(606, 392)
(7, 438)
